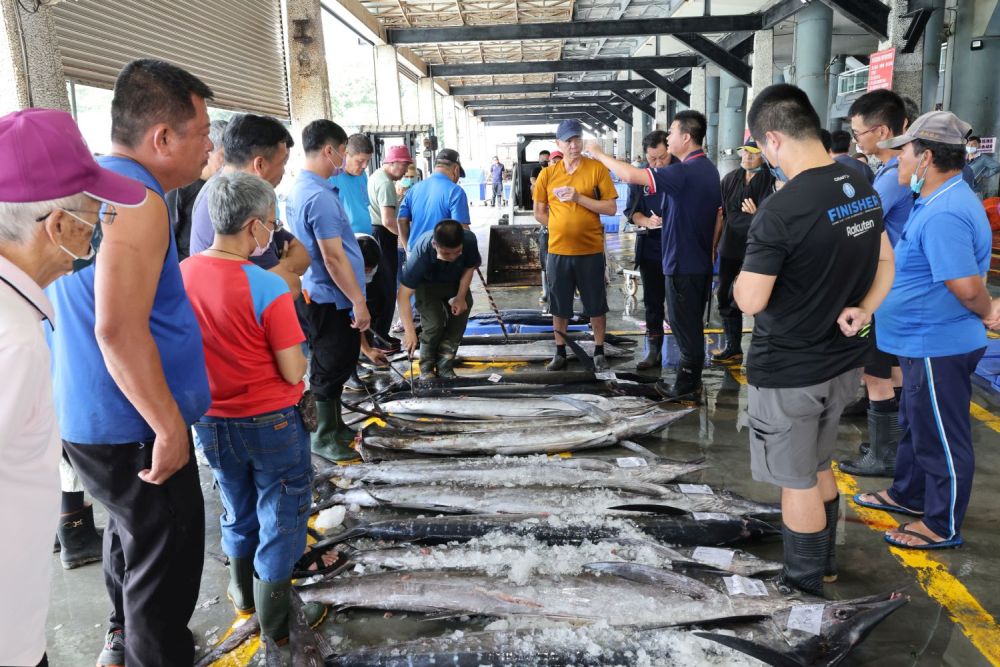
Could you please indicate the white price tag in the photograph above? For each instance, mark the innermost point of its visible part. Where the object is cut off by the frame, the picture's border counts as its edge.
(696, 488)
(807, 618)
(496, 377)
(631, 462)
(607, 375)
(737, 585)
(721, 558)
(709, 516)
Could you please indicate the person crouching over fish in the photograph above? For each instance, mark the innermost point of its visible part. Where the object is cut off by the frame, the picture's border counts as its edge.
(253, 434)
(439, 270)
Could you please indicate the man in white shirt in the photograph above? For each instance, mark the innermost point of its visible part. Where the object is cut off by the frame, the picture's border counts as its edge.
(52, 195)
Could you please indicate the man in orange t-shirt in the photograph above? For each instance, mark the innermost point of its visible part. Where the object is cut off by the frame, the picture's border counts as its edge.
(569, 199)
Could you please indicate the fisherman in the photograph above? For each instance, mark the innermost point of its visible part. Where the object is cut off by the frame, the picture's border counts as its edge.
(437, 198)
(335, 282)
(818, 264)
(647, 212)
(876, 117)
(439, 271)
(743, 190)
(932, 319)
(252, 435)
(130, 374)
(51, 192)
(694, 197)
(569, 199)
(383, 203)
(258, 145)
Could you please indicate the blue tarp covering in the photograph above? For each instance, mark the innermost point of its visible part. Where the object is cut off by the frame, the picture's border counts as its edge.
(989, 366)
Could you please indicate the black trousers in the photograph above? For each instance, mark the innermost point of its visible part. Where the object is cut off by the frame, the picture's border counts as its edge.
(687, 297)
(381, 291)
(154, 548)
(497, 195)
(335, 348)
(654, 294)
(729, 268)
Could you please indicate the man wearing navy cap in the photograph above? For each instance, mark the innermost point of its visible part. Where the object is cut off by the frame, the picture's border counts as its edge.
(570, 198)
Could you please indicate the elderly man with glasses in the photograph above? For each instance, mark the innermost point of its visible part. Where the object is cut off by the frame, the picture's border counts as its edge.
(51, 194)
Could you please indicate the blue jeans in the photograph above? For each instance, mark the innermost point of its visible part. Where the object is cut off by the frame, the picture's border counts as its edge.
(263, 471)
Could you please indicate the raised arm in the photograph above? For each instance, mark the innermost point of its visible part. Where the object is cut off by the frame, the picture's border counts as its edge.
(622, 170)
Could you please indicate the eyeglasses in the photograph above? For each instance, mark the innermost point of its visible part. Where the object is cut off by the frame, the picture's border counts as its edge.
(857, 134)
(106, 216)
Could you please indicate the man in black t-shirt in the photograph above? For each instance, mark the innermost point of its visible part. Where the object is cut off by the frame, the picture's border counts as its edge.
(743, 190)
(818, 264)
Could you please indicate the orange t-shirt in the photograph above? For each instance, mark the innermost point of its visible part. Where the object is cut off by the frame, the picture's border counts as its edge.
(574, 230)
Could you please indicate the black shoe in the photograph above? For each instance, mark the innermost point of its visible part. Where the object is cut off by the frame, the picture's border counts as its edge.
(654, 354)
(805, 560)
(832, 508)
(354, 384)
(687, 386)
(879, 458)
(727, 357)
(856, 409)
(558, 363)
(80, 541)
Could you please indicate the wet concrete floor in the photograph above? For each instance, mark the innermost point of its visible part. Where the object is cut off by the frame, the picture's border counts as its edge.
(920, 634)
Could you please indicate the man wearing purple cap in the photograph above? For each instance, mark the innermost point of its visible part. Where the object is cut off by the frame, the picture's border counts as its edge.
(51, 195)
(382, 206)
(129, 374)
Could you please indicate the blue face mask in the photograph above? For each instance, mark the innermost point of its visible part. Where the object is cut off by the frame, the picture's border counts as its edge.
(917, 184)
(777, 172)
(755, 170)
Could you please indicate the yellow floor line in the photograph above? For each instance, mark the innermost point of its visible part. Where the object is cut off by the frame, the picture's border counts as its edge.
(241, 655)
(932, 575)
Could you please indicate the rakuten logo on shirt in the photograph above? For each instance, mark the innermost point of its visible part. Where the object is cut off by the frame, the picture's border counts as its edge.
(859, 228)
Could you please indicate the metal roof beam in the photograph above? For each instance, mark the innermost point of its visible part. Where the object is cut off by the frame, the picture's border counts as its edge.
(529, 111)
(666, 85)
(565, 65)
(555, 86)
(577, 29)
(617, 112)
(718, 55)
(636, 102)
(532, 101)
(872, 16)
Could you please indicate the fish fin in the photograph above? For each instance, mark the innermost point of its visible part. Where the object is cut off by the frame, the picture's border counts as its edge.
(578, 351)
(753, 649)
(645, 574)
(652, 508)
(587, 408)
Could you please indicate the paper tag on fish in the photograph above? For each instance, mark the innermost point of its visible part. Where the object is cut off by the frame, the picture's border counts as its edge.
(495, 377)
(737, 585)
(709, 516)
(807, 618)
(631, 462)
(696, 488)
(721, 558)
(607, 375)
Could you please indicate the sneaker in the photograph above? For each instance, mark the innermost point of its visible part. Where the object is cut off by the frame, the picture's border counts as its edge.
(600, 363)
(113, 654)
(727, 357)
(558, 363)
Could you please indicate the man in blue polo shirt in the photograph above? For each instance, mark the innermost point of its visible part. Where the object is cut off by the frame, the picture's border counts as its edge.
(694, 197)
(933, 320)
(876, 117)
(335, 282)
(352, 183)
(434, 199)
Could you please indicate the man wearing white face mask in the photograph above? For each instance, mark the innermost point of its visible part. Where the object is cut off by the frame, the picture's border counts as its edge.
(335, 282)
(983, 166)
(50, 200)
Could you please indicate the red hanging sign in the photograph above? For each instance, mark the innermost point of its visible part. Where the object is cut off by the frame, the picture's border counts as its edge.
(880, 65)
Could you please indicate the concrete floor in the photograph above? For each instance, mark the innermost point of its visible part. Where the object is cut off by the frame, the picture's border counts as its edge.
(919, 634)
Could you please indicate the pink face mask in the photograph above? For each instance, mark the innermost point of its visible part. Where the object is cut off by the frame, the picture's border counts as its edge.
(260, 250)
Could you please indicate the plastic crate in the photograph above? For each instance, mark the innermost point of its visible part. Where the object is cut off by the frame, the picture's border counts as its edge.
(611, 223)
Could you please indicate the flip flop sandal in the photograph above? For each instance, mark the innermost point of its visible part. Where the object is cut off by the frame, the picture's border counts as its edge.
(928, 542)
(883, 504)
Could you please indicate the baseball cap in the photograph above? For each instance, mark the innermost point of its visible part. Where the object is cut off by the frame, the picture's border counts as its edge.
(568, 129)
(45, 157)
(398, 154)
(750, 146)
(943, 127)
(554, 154)
(450, 155)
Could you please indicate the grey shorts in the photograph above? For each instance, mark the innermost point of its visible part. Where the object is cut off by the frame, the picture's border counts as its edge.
(565, 274)
(793, 431)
